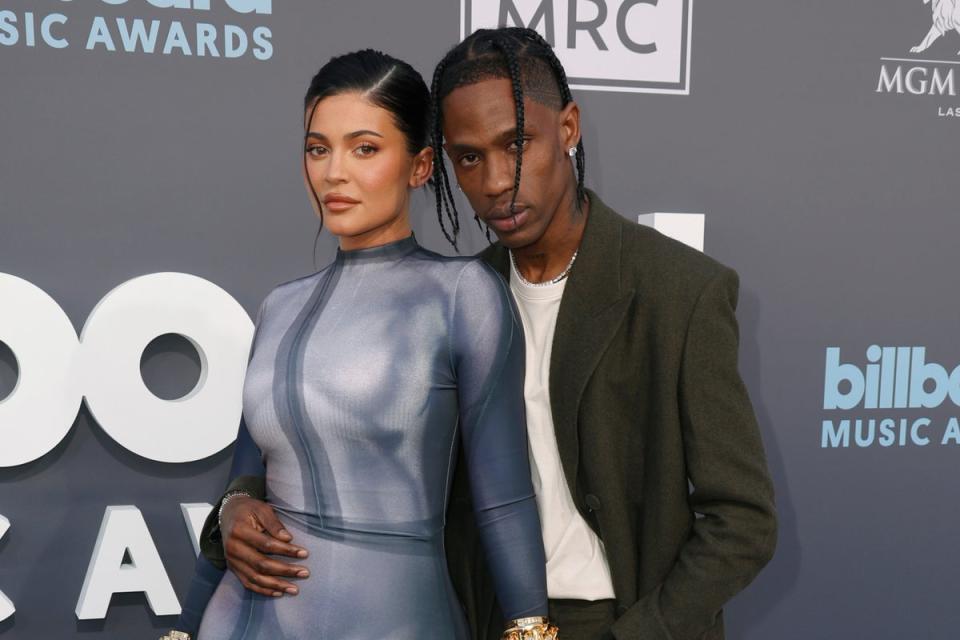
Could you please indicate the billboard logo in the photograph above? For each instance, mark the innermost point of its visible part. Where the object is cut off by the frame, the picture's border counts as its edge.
(640, 46)
(240, 6)
(894, 378)
(899, 378)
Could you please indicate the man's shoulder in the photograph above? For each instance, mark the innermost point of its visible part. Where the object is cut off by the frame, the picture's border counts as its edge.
(645, 247)
(653, 258)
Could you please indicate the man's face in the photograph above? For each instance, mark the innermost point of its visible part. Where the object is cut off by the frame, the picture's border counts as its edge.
(479, 125)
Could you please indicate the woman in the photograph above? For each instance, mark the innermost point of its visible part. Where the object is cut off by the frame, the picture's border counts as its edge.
(366, 376)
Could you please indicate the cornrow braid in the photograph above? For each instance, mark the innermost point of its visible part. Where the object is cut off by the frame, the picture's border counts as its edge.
(567, 97)
(508, 52)
(514, 65)
(440, 179)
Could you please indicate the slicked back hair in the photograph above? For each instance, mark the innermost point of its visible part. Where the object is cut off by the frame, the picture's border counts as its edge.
(525, 58)
(385, 82)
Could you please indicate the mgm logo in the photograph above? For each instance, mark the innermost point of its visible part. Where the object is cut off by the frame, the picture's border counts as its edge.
(605, 45)
(946, 17)
(926, 77)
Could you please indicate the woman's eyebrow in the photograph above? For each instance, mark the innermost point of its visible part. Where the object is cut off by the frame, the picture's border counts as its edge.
(348, 136)
(362, 132)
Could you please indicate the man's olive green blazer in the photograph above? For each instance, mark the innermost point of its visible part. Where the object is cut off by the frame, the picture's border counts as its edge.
(657, 436)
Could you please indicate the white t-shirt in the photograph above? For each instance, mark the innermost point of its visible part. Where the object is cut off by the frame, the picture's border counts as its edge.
(577, 565)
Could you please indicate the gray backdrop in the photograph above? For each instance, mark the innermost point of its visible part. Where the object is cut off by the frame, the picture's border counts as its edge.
(833, 200)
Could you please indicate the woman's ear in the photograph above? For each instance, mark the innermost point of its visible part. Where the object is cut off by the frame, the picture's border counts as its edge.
(422, 167)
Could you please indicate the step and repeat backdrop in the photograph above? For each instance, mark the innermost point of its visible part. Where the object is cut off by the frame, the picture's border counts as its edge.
(151, 195)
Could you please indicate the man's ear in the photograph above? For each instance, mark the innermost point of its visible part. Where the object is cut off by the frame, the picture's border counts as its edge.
(570, 125)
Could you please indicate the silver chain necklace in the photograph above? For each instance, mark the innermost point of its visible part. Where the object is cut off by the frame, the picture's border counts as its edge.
(560, 277)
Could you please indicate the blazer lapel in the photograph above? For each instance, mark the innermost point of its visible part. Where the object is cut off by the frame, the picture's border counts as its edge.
(591, 310)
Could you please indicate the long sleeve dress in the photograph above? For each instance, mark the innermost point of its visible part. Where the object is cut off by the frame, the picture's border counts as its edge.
(364, 379)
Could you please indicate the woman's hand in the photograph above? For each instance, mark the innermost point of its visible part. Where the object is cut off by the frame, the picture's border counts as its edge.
(250, 530)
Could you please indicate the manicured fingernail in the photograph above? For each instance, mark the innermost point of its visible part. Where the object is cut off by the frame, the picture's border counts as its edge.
(302, 553)
(284, 532)
(291, 590)
(303, 573)
(277, 594)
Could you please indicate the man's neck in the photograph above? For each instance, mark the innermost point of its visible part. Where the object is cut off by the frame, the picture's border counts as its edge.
(549, 256)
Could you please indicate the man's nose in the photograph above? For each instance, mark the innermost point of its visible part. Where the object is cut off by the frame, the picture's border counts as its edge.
(499, 175)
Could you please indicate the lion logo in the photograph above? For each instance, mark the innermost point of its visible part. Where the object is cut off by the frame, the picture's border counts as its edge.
(946, 17)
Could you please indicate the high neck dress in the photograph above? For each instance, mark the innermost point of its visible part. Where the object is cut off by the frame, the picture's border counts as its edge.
(364, 378)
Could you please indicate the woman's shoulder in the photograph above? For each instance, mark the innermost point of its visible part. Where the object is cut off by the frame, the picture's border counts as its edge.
(469, 271)
(464, 271)
(293, 289)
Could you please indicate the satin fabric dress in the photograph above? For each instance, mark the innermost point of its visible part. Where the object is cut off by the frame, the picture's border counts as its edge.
(364, 378)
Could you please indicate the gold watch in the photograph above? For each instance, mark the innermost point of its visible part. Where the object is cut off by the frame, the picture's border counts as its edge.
(533, 628)
(173, 634)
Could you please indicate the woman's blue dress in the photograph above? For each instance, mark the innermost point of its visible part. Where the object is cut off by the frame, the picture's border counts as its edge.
(364, 379)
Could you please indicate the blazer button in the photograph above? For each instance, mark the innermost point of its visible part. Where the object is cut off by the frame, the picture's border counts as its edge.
(593, 502)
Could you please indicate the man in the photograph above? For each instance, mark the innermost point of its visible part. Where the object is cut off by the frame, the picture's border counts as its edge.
(651, 482)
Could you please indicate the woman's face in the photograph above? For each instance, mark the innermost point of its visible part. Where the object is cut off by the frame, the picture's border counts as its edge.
(361, 171)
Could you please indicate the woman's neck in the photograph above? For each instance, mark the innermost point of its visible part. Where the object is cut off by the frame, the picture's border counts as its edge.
(396, 229)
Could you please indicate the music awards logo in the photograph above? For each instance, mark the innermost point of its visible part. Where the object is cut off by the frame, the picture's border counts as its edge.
(926, 75)
(190, 29)
(640, 46)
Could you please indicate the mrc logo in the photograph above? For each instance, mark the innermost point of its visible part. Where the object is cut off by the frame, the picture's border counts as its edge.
(640, 46)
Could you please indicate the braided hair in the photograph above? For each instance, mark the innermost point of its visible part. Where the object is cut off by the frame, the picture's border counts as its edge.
(528, 60)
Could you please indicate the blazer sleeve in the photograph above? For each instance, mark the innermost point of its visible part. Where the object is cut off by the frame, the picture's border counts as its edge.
(247, 473)
(734, 530)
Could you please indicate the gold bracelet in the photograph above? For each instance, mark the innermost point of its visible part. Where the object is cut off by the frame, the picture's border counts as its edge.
(534, 628)
(176, 635)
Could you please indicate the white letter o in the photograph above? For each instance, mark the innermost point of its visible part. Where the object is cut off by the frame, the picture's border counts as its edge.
(57, 371)
(118, 330)
(39, 412)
